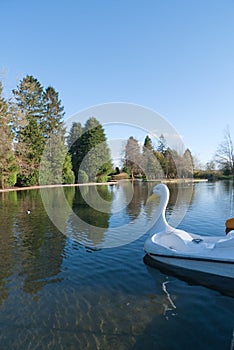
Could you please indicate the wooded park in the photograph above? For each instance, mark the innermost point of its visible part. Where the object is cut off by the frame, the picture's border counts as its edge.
(37, 149)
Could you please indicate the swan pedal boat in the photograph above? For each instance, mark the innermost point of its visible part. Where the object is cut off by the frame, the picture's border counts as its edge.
(177, 248)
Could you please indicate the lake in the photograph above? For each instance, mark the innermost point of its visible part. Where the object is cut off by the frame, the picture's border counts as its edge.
(73, 274)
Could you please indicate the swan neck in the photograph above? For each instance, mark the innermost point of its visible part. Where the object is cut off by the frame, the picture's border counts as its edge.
(161, 224)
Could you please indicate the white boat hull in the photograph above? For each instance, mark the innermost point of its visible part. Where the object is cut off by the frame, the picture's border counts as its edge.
(212, 255)
(225, 285)
(217, 268)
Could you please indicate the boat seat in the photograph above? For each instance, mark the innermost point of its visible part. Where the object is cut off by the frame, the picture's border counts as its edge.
(192, 242)
(181, 240)
(226, 242)
(170, 240)
(185, 236)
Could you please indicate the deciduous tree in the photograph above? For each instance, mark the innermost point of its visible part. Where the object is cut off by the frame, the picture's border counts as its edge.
(225, 153)
(133, 161)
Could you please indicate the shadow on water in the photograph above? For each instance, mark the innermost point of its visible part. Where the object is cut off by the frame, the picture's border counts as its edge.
(188, 300)
(221, 284)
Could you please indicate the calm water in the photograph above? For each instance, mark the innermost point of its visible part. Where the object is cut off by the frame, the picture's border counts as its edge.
(88, 287)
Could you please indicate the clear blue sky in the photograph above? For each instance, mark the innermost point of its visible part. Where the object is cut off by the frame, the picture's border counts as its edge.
(173, 56)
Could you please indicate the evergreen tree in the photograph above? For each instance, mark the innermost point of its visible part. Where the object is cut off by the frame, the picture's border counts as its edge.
(56, 166)
(68, 174)
(162, 145)
(148, 144)
(8, 166)
(166, 157)
(53, 115)
(39, 126)
(94, 155)
(29, 112)
(74, 147)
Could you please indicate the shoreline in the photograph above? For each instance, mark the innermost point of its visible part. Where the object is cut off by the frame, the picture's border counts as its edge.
(36, 187)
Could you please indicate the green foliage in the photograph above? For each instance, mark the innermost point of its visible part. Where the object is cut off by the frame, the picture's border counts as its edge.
(68, 174)
(27, 180)
(39, 134)
(53, 114)
(210, 175)
(33, 146)
(152, 167)
(162, 145)
(102, 178)
(8, 166)
(148, 143)
(153, 164)
(12, 179)
(86, 204)
(89, 150)
(28, 111)
(83, 177)
(127, 170)
(74, 143)
(55, 165)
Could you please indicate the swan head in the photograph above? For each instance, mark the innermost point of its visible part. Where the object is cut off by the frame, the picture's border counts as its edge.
(161, 190)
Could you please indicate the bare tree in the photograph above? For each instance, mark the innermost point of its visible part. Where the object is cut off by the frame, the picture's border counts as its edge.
(225, 153)
(133, 158)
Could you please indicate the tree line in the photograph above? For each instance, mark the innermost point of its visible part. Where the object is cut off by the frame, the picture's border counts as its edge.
(35, 148)
(151, 162)
(27, 120)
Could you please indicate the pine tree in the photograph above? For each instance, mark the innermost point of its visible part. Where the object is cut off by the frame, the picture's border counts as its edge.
(29, 113)
(39, 128)
(148, 143)
(94, 155)
(54, 113)
(8, 166)
(162, 145)
(56, 166)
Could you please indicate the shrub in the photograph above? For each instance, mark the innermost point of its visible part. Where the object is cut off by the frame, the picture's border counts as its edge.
(12, 179)
(83, 177)
(69, 178)
(102, 178)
